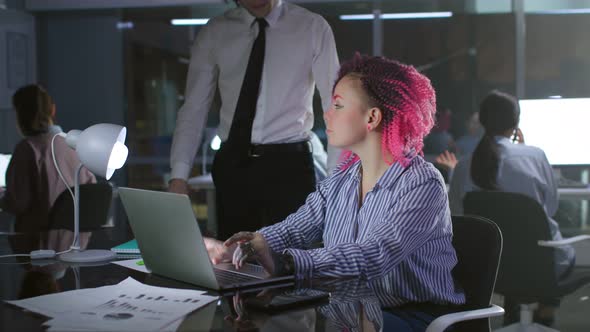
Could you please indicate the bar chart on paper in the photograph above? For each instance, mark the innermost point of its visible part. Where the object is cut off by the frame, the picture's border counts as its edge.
(128, 306)
(162, 298)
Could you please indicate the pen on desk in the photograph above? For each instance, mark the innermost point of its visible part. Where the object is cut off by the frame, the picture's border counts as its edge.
(140, 263)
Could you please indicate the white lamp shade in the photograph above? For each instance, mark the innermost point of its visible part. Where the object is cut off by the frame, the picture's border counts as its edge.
(100, 148)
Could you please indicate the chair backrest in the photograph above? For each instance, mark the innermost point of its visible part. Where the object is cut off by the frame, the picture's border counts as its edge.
(95, 201)
(526, 269)
(478, 244)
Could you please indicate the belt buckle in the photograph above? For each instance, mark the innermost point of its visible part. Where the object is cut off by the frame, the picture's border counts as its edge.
(252, 153)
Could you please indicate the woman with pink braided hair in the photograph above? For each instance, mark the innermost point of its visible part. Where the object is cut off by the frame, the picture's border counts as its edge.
(383, 214)
(401, 98)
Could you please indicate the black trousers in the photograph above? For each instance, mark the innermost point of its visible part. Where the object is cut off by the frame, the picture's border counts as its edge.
(260, 190)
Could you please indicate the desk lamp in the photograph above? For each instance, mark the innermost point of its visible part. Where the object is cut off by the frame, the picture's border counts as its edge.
(101, 149)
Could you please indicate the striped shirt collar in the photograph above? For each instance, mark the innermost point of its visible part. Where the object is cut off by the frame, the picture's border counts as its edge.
(388, 179)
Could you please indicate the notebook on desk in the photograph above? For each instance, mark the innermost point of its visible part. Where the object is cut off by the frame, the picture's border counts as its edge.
(172, 246)
(129, 247)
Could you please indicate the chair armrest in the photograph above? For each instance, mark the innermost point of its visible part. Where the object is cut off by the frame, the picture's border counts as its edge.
(443, 322)
(563, 242)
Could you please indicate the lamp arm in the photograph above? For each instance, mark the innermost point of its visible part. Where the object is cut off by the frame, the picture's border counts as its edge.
(76, 245)
(57, 166)
(72, 138)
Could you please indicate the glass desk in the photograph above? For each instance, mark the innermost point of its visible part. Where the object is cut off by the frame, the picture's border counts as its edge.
(353, 304)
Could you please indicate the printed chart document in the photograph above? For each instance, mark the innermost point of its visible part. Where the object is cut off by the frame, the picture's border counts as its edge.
(127, 306)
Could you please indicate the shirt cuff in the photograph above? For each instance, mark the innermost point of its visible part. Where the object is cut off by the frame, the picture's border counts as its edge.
(303, 263)
(180, 170)
(271, 237)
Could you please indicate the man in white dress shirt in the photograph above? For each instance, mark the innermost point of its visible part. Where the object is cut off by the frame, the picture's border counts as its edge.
(264, 169)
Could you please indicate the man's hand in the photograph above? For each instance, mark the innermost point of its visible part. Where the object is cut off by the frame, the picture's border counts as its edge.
(447, 160)
(178, 186)
(218, 252)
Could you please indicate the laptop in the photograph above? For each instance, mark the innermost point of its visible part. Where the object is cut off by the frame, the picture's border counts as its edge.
(172, 246)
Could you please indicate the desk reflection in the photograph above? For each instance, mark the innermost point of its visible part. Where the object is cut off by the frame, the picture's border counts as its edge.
(354, 304)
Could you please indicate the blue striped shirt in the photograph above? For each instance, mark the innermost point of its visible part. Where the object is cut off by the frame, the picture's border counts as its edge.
(401, 234)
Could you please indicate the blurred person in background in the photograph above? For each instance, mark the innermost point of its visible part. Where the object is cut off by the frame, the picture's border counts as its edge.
(32, 181)
(503, 162)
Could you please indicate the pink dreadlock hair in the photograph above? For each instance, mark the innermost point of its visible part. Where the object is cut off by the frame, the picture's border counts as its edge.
(405, 97)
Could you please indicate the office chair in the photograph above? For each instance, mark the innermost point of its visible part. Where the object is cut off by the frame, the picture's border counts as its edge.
(95, 202)
(527, 269)
(478, 243)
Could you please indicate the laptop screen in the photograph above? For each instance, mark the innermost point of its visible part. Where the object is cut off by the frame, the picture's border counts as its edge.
(4, 161)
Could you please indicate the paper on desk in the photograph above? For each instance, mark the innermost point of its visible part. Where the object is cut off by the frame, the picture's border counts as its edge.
(173, 327)
(132, 264)
(127, 306)
(125, 314)
(55, 304)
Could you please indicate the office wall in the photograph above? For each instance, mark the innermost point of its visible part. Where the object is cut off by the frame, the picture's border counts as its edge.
(17, 67)
(81, 65)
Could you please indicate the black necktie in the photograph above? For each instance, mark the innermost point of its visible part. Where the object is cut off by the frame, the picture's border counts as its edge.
(240, 133)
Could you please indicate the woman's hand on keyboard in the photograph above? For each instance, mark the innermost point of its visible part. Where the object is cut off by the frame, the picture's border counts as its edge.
(251, 246)
(218, 252)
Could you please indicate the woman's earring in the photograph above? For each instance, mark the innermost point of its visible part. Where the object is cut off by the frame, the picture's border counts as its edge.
(369, 127)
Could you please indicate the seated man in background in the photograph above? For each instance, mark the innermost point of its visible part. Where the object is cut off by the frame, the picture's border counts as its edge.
(32, 181)
(467, 143)
(464, 146)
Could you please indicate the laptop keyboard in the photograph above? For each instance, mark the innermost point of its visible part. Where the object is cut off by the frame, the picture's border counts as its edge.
(229, 278)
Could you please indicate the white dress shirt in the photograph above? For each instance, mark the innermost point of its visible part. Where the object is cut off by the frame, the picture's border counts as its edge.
(522, 169)
(300, 53)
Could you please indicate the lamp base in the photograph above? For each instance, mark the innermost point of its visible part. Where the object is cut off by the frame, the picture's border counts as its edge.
(87, 256)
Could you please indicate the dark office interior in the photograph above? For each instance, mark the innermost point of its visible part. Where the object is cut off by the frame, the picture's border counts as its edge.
(125, 63)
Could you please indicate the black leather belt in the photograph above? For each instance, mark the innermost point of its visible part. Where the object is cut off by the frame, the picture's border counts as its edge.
(258, 150)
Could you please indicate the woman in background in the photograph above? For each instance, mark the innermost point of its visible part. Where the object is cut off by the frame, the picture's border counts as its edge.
(499, 164)
(32, 181)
